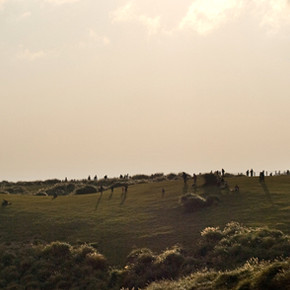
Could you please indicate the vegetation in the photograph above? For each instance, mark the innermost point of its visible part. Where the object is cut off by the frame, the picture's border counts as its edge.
(145, 235)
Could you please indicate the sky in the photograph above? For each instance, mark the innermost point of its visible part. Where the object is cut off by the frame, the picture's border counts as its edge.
(114, 87)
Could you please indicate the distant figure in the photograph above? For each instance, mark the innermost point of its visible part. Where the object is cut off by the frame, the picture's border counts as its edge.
(89, 178)
(223, 172)
(184, 176)
(5, 202)
(163, 192)
(237, 189)
(248, 172)
(194, 179)
(65, 180)
(54, 195)
(106, 176)
(252, 172)
(262, 176)
(95, 177)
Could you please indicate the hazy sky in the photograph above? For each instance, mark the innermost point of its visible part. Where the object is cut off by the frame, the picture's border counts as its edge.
(114, 87)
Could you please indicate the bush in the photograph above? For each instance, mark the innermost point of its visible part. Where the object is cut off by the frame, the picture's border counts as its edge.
(41, 193)
(61, 189)
(171, 176)
(16, 190)
(192, 202)
(140, 176)
(144, 267)
(57, 250)
(96, 261)
(234, 245)
(86, 190)
(53, 266)
(210, 179)
(211, 234)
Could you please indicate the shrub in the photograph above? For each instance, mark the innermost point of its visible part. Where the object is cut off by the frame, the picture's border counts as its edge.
(234, 245)
(192, 202)
(81, 252)
(41, 193)
(96, 261)
(53, 266)
(140, 176)
(86, 190)
(171, 176)
(210, 179)
(16, 190)
(61, 189)
(57, 250)
(211, 234)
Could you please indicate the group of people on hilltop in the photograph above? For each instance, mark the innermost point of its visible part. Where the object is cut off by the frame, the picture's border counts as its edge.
(250, 172)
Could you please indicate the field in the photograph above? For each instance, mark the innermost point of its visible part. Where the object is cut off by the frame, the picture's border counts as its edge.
(143, 218)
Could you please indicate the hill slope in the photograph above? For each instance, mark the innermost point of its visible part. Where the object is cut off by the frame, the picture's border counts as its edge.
(143, 218)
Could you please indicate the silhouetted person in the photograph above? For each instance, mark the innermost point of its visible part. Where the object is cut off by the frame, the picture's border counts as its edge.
(262, 176)
(106, 176)
(95, 177)
(89, 178)
(248, 172)
(237, 188)
(252, 172)
(184, 176)
(194, 179)
(223, 172)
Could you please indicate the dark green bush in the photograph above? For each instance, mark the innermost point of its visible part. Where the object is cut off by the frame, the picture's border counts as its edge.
(57, 250)
(234, 245)
(192, 202)
(86, 190)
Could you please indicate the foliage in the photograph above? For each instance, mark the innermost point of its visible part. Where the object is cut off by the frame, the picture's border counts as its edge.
(235, 244)
(61, 189)
(192, 201)
(86, 190)
(143, 266)
(52, 266)
(252, 275)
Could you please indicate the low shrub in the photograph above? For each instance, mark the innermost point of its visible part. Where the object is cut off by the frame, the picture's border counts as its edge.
(57, 250)
(235, 244)
(171, 176)
(61, 189)
(86, 190)
(57, 265)
(192, 202)
(251, 276)
(143, 266)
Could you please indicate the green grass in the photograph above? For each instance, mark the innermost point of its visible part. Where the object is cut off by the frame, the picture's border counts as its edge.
(144, 219)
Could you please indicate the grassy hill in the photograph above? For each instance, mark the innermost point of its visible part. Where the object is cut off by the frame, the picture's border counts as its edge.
(144, 218)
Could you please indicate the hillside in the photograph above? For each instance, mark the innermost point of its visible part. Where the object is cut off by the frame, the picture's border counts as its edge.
(144, 218)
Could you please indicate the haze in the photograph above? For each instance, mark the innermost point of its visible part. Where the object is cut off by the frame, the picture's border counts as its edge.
(114, 87)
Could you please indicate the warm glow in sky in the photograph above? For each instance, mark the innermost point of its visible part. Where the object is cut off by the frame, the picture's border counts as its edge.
(113, 87)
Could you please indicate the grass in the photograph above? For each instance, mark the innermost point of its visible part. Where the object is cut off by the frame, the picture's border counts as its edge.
(144, 218)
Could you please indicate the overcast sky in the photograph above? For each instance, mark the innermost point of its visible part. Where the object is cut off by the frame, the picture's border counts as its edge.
(113, 87)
